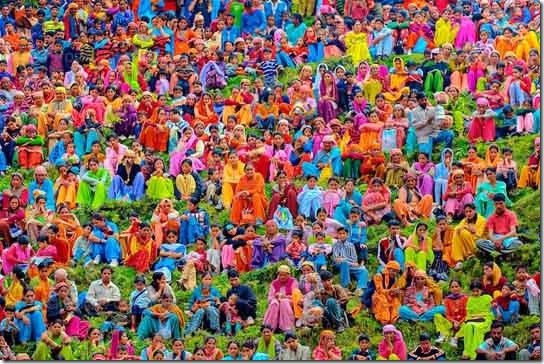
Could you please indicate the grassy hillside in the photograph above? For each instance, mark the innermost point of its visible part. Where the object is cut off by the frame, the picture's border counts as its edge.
(526, 205)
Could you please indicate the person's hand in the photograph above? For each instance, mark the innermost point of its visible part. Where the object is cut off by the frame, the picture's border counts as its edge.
(102, 301)
(498, 244)
(26, 320)
(184, 217)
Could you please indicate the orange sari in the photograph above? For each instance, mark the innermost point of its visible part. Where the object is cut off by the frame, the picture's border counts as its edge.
(155, 133)
(205, 113)
(256, 200)
(69, 230)
(140, 254)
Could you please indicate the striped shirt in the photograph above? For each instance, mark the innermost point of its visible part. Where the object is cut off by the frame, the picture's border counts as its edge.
(344, 250)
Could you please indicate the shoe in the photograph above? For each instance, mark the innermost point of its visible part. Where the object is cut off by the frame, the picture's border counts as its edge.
(250, 320)
(340, 329)
(114, 263)
(458, 266)
(453, 342)
(96, 260)
(440, 339)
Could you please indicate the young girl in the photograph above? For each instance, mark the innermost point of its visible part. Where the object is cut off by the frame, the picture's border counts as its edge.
(424, 170)
(399, 122)
(507, 170)
(331, 197)
(233, 322)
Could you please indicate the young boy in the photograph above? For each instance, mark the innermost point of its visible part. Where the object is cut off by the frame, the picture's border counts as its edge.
(506, 122)
(8, 327)
(318, 252)
(269, 68)
(213, 187)
(139, 301)
(82, 247)
(363, 352)
(296, 248)
(357, 234)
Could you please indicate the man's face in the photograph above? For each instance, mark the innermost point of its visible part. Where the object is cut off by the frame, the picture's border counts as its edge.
(292, 344)
(106, 276)
(496, 334)
(234, 281)
(500, 207)
(535, 333)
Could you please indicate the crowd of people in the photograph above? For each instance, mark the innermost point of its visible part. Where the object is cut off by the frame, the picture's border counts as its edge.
(309, 124)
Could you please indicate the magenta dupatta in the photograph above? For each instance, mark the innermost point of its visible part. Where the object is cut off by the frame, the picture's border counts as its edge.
(276, 287)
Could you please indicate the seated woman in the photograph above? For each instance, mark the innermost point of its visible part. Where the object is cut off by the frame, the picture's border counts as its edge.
(267, 112)
(310, 198)
(449, 322)
(170, 252)
(239, 104)
(467, 232)
(233, 171)
(66, 185)
(351, 197)
(376, 201)
(165, 217)
(424, 170)
(487, 190)
(397, 82)
(154, 135)
(54, 344)
(61, 307)
(327, 349)
(92, 191)
(141, 249)
(410, 204)
(282, 295)
(327, 161)
(128, 181)
(441, 175)
(419, 248)
(204, 303)
(398, 122)
(69, 226)
(530, 173)
(189, 146)
(16, 188)
(29, 145)
(159, 286)
(12, 221)
(492, 280)
(249, 195)
(204, 110)
(371, 132)
(188, 184)
(392, 346)
(478, 320)
(457, 195)
(419, 304)
(18, 254)
(37, 216)
(442, 246)
(284, 193)
(385, 301)
(473, 167)
(159, 186)
(42, 284)
(164, 318)
(506, 306)
(373, 164)
(92, 346)
(269, 248)
(395, 169)
(155, 347)
(29, 317)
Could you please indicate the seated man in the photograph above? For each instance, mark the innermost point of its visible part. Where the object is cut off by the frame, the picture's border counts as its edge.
(501, 229)
(333, 297)
(497, 347)
(103, 295)
(345, 260)
(532, 351)
(425, 350)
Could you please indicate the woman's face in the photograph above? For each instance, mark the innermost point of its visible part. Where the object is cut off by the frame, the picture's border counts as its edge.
(421, 230)
(56, 329)
(63, 292)
(210, 344)
(469, 212)
(29, 297)
(267, 334)
(14, 203)
(488, 271)
(455, 288)
(233, 350)
(207, 280)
